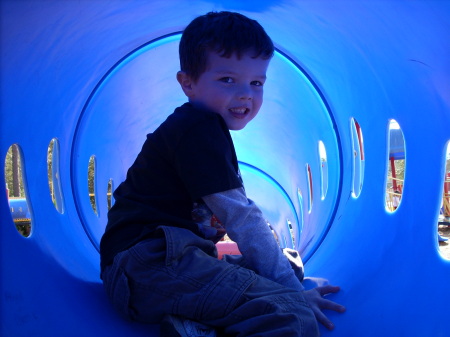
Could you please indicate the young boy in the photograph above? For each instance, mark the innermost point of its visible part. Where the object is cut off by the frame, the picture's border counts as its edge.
(184, 192)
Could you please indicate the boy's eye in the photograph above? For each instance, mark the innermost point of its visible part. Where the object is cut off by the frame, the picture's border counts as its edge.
(257, 83)
(226, 80)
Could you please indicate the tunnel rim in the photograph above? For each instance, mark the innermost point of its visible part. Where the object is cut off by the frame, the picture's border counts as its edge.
(73, 176)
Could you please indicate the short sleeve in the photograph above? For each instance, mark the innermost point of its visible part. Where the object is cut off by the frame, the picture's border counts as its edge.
(205, 159)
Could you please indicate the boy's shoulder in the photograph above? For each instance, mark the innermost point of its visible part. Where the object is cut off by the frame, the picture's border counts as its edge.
(187, 116)
(188, 111)
(189, 125)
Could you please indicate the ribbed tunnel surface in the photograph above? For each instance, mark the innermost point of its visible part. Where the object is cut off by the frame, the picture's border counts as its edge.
(98, 76)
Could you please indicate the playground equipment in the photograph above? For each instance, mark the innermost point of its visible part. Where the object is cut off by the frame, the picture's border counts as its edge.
(445, 209)
(394, 185)
(20, 215)
(94, 77)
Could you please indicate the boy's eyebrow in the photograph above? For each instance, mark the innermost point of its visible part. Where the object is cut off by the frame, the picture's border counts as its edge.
(229, 72)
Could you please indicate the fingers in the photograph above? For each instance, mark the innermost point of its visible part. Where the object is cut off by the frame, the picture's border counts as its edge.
(314, 282)
(327, 304)
(323, 319)
(328, 289)
(324, 303)
(315, 298)
(330, 305)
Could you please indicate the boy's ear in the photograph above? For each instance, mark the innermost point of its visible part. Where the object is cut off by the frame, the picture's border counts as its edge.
(186, 83)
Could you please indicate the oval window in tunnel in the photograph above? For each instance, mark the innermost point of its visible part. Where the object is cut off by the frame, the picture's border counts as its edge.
(16, 190)
(141, 90)
(444, 209)
(396, 167)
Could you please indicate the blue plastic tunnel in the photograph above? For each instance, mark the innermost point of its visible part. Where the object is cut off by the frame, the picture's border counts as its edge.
(92, 78)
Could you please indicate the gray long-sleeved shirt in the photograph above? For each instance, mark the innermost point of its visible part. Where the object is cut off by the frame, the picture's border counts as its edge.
(245, 224)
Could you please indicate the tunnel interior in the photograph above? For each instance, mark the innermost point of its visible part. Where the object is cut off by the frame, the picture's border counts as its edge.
(91, 79)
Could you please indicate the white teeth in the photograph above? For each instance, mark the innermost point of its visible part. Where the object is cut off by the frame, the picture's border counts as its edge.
(239, 110)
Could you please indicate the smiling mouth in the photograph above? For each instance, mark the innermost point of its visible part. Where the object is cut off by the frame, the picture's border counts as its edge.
(239, 112)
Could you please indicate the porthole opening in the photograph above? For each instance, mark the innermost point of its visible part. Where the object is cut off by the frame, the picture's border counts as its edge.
(323, 170)
(54, 175)
(444, 210)
(291, 232)
(109, 198)
(357, 157)
(91, 184)
(396, 167)
(16, 190)
(310, 187)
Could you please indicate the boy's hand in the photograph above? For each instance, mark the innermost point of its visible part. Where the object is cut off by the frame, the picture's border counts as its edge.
(315, 299)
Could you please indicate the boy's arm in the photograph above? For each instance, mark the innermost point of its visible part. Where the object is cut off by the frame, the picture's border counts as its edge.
(246, 226)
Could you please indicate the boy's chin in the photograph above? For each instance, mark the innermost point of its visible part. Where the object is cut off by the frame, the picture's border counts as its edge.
(236, 127)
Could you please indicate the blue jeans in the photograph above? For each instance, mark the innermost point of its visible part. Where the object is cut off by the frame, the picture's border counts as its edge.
(178, 273)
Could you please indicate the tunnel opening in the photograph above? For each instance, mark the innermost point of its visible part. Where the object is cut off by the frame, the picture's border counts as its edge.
(140, 91)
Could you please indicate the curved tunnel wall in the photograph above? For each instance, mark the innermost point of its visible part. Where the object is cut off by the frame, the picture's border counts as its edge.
(86, 74)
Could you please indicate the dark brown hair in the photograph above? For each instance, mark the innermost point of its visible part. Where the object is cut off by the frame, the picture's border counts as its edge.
(226, 33)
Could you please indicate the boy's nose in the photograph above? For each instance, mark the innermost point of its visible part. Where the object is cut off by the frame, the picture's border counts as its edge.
(245, 93)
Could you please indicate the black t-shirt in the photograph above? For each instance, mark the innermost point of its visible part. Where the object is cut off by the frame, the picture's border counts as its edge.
(188, 156)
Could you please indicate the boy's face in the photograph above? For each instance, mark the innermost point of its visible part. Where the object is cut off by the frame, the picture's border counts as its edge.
(231, 87)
